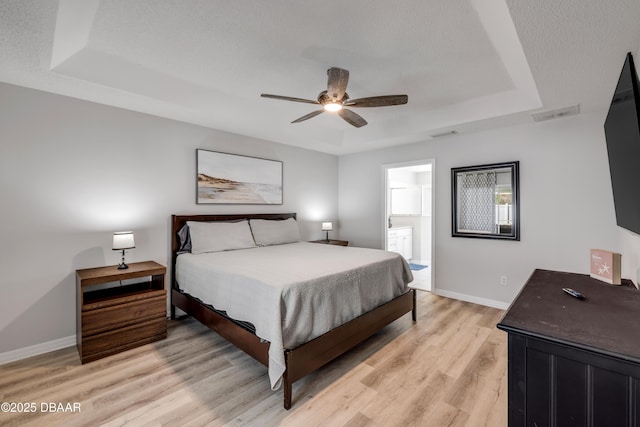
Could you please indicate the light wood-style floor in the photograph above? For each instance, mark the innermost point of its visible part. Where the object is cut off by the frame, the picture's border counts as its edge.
(448, 369)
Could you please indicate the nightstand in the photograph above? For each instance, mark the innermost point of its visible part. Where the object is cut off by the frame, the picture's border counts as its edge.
(119, 318)
(332, 242)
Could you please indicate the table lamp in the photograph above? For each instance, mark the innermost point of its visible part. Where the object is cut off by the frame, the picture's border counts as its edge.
(123, 240)
(327, 226)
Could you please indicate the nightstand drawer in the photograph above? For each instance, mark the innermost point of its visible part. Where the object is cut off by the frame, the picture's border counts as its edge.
(95, 321)
(117, 340)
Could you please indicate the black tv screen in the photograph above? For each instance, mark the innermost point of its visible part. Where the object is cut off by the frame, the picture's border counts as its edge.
(622, 130)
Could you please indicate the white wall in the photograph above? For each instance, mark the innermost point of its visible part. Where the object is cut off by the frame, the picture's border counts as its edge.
(563, 164)
(73, 172)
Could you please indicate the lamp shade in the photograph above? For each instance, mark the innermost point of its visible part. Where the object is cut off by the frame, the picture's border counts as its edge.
(123, 240)
(327, 226)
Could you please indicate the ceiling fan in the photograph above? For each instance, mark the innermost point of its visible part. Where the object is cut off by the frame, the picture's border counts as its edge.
(335, 98)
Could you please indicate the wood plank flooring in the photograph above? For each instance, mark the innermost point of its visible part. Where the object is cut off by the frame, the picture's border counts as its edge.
(448, 369)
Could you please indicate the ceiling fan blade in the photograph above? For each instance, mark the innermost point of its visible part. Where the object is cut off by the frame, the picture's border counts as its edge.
(308, 116)
(378, 101)
(288, 98)
(352, 118)
(337, 83)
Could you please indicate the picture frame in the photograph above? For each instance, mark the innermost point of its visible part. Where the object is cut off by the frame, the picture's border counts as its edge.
(225, 178)
(485, 201)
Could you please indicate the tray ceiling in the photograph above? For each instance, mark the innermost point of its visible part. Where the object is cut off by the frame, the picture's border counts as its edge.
(466, 65)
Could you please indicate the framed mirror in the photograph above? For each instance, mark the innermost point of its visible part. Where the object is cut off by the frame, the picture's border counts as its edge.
(485, 201)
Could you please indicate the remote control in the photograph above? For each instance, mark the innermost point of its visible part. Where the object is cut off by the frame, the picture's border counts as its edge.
(573, 293)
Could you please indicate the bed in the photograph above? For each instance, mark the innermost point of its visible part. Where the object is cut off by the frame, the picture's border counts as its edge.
(205, 284)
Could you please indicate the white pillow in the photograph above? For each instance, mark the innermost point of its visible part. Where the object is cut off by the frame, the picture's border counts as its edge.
(274, 232)
(219, 236)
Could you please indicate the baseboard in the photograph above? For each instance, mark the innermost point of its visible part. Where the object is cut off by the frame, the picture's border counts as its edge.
(470, 298)
(34, 350)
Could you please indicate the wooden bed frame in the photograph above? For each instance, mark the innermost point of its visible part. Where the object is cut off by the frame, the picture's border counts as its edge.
(303, 359)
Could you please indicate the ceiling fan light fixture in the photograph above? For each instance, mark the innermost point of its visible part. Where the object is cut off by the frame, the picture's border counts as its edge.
(332, 107)
(335, 98)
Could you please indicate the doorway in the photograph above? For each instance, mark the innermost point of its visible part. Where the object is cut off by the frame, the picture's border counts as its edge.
(408, 217)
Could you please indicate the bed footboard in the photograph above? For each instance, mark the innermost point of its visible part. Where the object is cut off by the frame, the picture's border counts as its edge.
(319, 351)
(309, 356)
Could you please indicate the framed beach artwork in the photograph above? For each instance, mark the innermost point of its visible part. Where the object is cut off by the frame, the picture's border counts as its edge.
(224, 178)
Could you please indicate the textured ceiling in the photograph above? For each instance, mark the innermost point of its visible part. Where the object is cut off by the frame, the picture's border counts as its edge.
(465, 65)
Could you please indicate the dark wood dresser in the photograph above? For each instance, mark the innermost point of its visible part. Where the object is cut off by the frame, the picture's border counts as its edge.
(573, 362)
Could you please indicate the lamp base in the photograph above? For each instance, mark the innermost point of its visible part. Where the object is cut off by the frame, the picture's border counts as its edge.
(122, 265)
(327, 237)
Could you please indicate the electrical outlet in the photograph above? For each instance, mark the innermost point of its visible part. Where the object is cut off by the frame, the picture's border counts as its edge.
(503, 280)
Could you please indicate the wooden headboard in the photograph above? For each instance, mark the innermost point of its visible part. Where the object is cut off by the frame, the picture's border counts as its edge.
(178, 221)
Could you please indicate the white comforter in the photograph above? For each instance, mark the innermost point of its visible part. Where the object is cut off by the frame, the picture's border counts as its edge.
(295, 292)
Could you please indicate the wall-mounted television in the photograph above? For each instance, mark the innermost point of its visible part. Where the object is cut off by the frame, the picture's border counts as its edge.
(622, 130)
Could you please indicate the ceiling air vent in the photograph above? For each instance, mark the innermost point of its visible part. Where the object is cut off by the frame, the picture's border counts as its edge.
(441, 134)
(556, 114)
